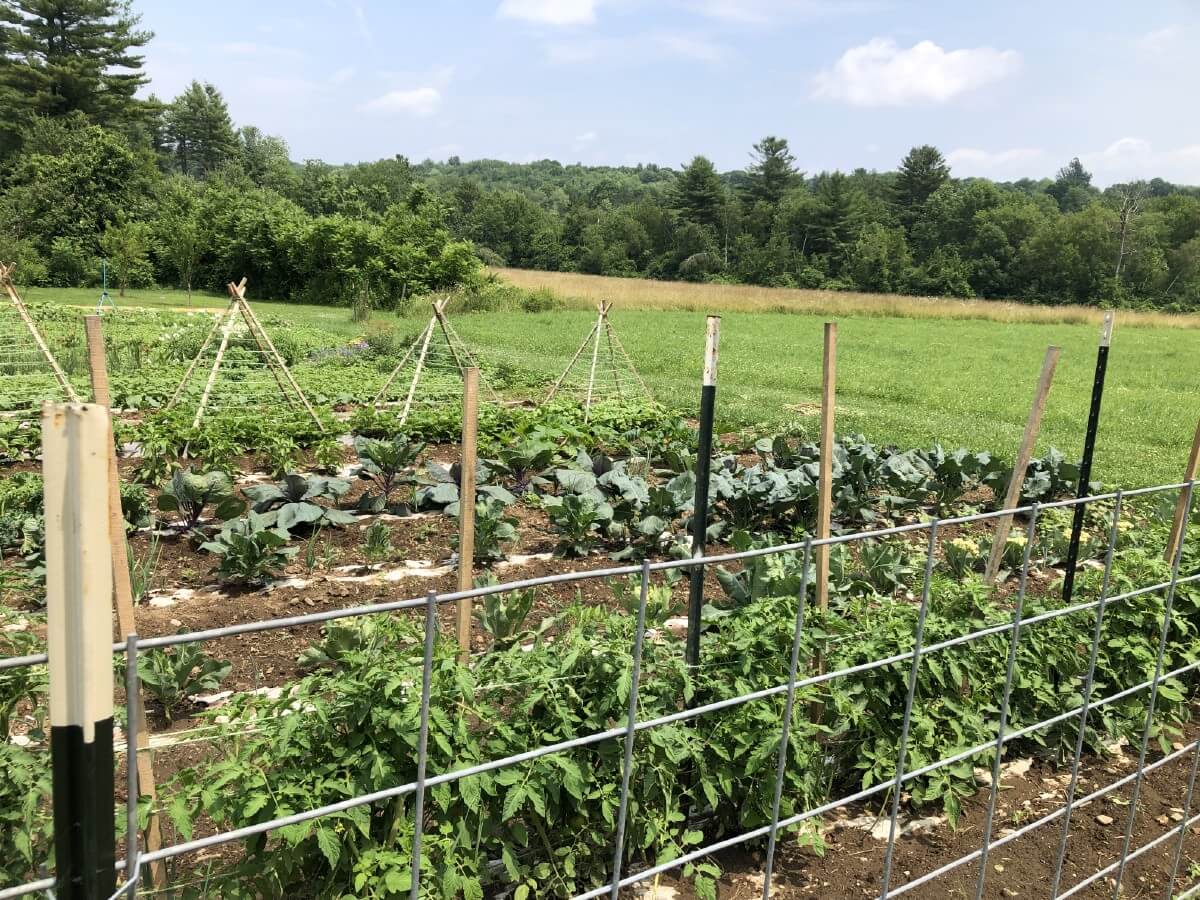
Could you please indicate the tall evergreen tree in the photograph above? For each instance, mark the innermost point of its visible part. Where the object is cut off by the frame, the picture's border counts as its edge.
(698, 194)
(65, 56)
(773, 170)
(1072, 189)
(199, 131)
(922, 171)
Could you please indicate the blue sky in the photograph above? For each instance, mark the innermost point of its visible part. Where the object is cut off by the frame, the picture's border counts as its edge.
(1004, 89)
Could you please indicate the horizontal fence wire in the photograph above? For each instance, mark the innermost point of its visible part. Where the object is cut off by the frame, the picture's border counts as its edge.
(136, 858)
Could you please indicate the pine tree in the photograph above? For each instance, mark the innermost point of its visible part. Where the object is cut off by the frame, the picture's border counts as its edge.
(773, 170)
(699, 194)
(921, 173)
(199, 132)
(66, 56)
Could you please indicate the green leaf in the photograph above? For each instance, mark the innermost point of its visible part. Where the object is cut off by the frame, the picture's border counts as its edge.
(330, 846)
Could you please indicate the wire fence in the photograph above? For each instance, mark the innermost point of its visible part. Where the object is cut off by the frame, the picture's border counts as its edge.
(1172, 839)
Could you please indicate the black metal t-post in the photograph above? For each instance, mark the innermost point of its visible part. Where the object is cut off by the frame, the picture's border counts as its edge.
(708, 397)
(1089, 447)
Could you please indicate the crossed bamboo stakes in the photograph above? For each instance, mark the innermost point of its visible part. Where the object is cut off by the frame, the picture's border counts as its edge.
(225, 323)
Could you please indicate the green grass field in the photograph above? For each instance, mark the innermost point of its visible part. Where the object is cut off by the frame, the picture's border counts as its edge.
(908, 381)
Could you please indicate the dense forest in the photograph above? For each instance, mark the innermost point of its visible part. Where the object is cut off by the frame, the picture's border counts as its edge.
(172, 192)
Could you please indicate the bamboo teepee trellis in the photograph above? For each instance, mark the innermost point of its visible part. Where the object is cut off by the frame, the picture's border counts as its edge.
(29, 373)
(238, 382)
(438, 360)
(611, 375)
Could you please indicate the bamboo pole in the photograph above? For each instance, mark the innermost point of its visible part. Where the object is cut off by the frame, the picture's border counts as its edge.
(379, 397)
(187, 376)
(587, 406)
(19, 305)
(212, 375)
(1179, 525)
(259, 339)
(412, 388)
(439, 314)
(578, 353)
(1024, 454)
(249, 314)
(825, 482)
(122, 585)
(466, 508)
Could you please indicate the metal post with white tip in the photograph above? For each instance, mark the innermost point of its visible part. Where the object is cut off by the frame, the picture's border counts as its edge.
(79, 586)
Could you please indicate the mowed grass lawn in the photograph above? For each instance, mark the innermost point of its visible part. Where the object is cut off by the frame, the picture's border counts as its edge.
(907, 381)
(910, 381)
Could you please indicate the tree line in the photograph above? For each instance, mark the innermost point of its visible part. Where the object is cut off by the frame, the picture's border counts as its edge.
(172, 192)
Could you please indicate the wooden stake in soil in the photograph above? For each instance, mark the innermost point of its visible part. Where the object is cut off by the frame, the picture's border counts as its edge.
(825, 485)
(122, 587)
(1181, 511)
(466, 508)
(1024, 454)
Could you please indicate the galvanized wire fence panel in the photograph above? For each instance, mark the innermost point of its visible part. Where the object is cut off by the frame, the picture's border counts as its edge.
(623, 876)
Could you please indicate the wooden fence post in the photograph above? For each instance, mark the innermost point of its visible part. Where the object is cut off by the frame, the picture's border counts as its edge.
(122, 587)
(75, 441)
(466, 507)
(1024, 454)
(825, 484)
(1179, 525)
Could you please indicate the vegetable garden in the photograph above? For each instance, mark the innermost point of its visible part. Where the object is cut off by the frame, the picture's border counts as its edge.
(595, 751)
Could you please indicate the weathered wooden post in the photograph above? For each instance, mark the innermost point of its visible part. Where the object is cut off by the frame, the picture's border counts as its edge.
(1024, 454)
(466, 507)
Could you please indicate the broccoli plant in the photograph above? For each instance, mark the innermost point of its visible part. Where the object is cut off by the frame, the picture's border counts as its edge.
(292, 503)
(493, 529)
(386, 464)
(176, 673)
(250, 550)
(580, 522)
(189, 493)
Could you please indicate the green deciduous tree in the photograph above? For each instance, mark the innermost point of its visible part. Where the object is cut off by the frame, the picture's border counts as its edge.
(1072, 188)
(127, 248)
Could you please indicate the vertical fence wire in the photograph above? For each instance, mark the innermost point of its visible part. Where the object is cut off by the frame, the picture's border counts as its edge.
(902, 750)
(132, 712)
(639, 636)
(1183, 823)
(423, 742)
(1009, 673)
(1150, 703)
(788, 706)
(1089, 681)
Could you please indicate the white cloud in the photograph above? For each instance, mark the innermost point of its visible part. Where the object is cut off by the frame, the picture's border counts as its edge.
(879, 73)
(342, 75)
(765, 12)
(585, 140)
(1132, 158)
(422, 101)
(549, 12)
(1017, 161)
(1160, 40)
